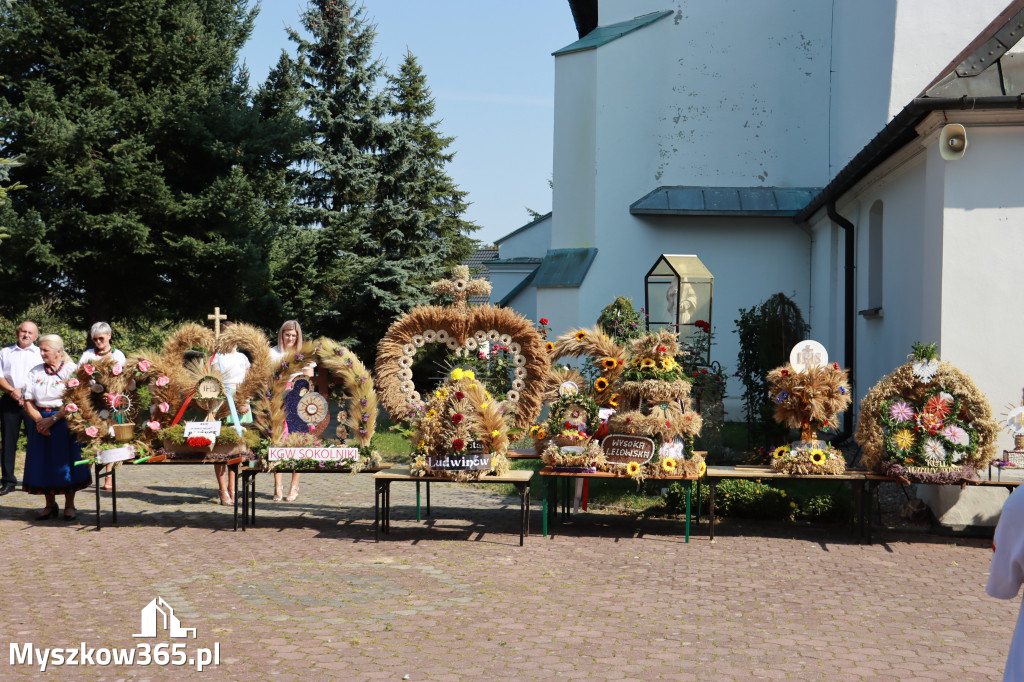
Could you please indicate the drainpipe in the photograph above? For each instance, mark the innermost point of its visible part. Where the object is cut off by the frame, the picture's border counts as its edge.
(849, 311)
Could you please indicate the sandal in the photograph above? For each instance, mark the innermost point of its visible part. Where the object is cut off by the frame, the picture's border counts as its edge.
(278, 494)
(226, 500)
(72, 516)
(293, 493)
(48, 513)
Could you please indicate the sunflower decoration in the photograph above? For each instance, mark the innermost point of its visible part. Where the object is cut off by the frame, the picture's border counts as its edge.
(606, 359)
(573, 419)
(927, 422)
(463, 433)
(802, 458)
(652, 399)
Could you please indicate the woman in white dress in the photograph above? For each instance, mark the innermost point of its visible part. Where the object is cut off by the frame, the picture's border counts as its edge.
(233, 367)
(289, 340)
(100, 335)
(50, 456)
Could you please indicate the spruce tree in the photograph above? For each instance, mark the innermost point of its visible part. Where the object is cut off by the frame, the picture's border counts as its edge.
(146, 166)
(438, 196)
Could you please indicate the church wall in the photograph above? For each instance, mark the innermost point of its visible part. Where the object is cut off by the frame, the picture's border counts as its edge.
(575, 147)
(701, 99)
(532, 242)
(751, 259)
(982, 268)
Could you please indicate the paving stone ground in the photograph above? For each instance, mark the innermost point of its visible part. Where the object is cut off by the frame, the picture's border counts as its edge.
(307, 594)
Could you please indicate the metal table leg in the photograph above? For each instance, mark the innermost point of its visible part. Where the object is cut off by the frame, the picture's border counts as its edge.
(711, 506)
(113, 492)
(98, 468)
(233, 468)
(689, 488)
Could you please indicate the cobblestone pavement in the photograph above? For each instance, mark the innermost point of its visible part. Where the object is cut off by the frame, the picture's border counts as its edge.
(307, 594)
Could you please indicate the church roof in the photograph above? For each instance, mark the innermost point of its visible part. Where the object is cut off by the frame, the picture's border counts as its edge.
(739, 201)
(527, 226)
(603, 35)
(564, 268)
(477, 264)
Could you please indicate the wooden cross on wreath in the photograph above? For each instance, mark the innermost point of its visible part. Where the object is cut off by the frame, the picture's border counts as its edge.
(216, 317)
(461, 287)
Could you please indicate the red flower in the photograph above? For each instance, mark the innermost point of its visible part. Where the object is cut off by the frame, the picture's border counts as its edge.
(457, 418)
(458, 444)
(543, 320)
(669, 424)
(459, 395)
(703, 326)
(703, 371)
(198, 441)
(662, 349)
(835, 365)
(696, 374)
(785, 372)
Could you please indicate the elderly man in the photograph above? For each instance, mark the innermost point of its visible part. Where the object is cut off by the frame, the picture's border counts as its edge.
(15, 363)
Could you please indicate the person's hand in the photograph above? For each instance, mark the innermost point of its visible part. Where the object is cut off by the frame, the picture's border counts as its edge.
(16, 394)
(243, 408)
(43, 425)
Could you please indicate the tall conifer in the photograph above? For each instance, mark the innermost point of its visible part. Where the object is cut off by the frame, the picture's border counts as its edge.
(145, 163)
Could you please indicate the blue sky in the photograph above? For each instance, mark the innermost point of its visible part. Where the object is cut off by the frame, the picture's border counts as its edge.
(490, 69)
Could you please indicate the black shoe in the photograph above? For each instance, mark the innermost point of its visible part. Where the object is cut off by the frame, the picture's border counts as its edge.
(72, 516)
(47, 515)
(9, 488)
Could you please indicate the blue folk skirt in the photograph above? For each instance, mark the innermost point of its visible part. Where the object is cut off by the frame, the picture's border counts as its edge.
(50, 461)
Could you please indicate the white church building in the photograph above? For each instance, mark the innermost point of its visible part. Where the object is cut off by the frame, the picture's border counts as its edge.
(794, 147)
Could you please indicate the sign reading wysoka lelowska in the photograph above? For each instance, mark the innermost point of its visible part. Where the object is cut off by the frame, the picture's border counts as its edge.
(625, 448)
(318, 454)
(473, 459)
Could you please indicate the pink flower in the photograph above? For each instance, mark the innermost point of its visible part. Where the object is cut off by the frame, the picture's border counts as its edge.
(89, 369)
(163, 407)
(143, 365)
(163, 380)
(71, 408)
(154, 425)
(92, 431)
(116, 369)
(900, 411)
(483, 355)
(72, 382)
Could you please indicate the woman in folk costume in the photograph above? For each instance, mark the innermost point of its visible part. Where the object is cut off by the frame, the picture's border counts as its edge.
(289, 340)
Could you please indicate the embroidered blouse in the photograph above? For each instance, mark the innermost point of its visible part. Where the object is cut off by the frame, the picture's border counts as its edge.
(47, 390)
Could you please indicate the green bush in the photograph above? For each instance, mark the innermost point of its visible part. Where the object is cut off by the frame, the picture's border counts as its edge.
(822, 508)
(741, 498)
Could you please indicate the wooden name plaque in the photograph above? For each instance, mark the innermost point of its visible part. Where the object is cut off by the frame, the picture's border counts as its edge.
(622, 448)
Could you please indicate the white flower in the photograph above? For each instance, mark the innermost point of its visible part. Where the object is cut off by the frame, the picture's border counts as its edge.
(518, 384)
(409, 349)
(452, 344)
(405, 373)
(505, 339)
(418, 340)
(520, 361)
(934, 452)
(471, 344)
(519, 372)
(512, 396)
(405, 361)
(442, 336)
(480, 335)
(925, 371)
(515, 347)
(429, 336)
(493, 335)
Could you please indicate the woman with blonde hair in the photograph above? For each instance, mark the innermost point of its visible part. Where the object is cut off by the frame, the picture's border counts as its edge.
(51, 454)
(289, 340)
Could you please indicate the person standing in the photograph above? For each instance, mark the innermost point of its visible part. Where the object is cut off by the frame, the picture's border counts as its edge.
(289, 340)
(1007, 573)
(52, 452)
(15, 363)
(233, 367)
(100, 334)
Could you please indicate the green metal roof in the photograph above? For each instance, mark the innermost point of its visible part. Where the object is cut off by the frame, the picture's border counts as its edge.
(606, 34)
(564, 268)
(749, 201)
(507, 298)
(538, 219)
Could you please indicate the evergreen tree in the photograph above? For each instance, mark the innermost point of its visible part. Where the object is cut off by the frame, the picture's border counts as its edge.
(146, 165)
(413, 104)
(339, 170)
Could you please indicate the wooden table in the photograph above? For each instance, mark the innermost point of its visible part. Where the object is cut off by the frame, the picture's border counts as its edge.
(857, 478)
(382, 481)
(248, 486)
(162, 459)
(567, 476)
